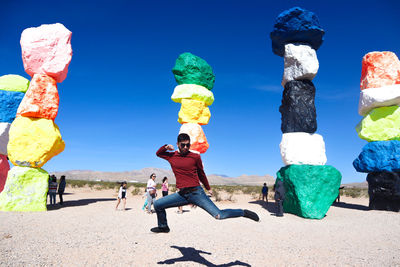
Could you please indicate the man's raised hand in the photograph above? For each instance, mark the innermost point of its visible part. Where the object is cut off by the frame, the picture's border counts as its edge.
(169, 147)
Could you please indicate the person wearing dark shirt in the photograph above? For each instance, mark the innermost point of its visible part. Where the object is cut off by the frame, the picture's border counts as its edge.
(279, 197)
(264, 192)
(61, 189)
(188, 169)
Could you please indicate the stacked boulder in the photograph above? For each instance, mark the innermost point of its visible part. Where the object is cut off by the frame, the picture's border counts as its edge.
(196, 79)
(12, 91)
(34, 138)
(379, 104)
(311, 186)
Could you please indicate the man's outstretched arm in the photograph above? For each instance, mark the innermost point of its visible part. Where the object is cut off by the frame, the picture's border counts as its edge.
(162, 152)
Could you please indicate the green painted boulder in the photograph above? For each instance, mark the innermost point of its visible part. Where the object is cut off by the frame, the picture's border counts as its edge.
(310, 189)
(25, 190)
(191, 69)
(13, 82)
(380, 124)
(192, 91)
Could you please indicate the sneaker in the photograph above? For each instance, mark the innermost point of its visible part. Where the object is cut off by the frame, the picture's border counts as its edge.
(160, 229)
(251, 215)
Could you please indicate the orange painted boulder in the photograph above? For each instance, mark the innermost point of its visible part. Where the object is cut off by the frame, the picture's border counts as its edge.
(41, 100)
(198, 139)
(380, 69)
(194, 111)
(4, 168)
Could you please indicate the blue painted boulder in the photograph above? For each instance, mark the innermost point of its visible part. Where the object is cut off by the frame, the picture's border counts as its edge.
(10, 101)
(296, 25)
(379, 156)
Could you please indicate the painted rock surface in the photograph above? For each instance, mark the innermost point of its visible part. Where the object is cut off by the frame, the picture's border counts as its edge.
(198, 139)
(13, 82)
(192, 91)
(379, 156)
(194, 111)
(4, 168)
(381, 124)
(9, 104)
(378, 97)
(310, 190)
(380, 69)
(301, 63)
(303, 148)
(4, 137)
(25, 190)
(41, 100)
(384, 191)
(296, 25)
(34, 141)
(47, 50)
(192, 69)
(298, 108)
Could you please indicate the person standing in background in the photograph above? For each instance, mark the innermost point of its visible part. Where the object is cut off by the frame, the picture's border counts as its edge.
(53, 190)
(122, 195)
(164, 187)
(264, 192)
(151, 192)
(61, 188)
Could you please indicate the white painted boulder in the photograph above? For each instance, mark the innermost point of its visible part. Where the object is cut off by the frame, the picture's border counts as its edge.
(378, 97)
(303, 148)
(301, 63)
(4, 137)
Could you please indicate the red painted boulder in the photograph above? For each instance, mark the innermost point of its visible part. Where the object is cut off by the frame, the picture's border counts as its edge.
(4, 168)
(41, 100)
(198, 139)
(380, 69)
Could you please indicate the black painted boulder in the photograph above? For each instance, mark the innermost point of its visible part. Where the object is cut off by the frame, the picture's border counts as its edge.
(384, 190)
(298, 108)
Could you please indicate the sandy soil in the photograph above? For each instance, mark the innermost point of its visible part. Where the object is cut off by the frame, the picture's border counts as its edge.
(88, 231)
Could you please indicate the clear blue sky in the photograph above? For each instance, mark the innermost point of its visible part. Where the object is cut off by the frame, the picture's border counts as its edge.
(115, 107)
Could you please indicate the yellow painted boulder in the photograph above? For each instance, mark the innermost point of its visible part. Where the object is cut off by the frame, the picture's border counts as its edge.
(33, 141)
(194, 111)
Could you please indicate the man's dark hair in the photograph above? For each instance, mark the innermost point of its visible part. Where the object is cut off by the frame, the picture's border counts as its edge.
(183, 137)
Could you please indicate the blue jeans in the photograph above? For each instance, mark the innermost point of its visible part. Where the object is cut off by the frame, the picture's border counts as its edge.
(198, 198)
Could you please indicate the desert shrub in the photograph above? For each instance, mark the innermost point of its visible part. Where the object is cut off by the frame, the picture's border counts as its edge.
(217, 195)
(355, 192)
(136, 191)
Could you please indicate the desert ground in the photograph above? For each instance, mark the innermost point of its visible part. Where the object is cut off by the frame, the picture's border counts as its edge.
(87, 231)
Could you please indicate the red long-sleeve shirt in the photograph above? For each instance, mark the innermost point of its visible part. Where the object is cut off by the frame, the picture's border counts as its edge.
(188, 169)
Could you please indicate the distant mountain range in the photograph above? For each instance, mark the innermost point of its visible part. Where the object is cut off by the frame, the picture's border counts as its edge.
(143, 175)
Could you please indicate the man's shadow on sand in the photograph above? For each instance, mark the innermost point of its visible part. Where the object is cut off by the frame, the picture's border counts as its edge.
(350, 206)
(192, 254)
(76, 203)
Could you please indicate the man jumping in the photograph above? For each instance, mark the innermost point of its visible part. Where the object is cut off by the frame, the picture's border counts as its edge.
(188, 169)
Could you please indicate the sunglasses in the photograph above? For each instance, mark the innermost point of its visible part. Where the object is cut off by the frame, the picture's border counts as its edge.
(183, 145)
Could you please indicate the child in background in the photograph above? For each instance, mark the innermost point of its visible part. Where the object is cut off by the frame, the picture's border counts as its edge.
(164, 187)
(122, 195)
(53, 190)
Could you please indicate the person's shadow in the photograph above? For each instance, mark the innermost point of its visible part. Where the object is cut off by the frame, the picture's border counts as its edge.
(350, 206)
(270, 206)
(192, 254)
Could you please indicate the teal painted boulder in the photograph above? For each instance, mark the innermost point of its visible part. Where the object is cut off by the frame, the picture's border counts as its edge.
(310, 189)
(191, 69)
(25, 190)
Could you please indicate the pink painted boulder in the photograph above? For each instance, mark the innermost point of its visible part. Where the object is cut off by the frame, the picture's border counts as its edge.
(47, 50)
(4, 168)
(41, 100)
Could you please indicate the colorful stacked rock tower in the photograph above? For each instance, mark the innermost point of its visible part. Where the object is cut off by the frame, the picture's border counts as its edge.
(311, 186)
(379, 104)
(12, 91)
(195, 79)
(34, 138)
